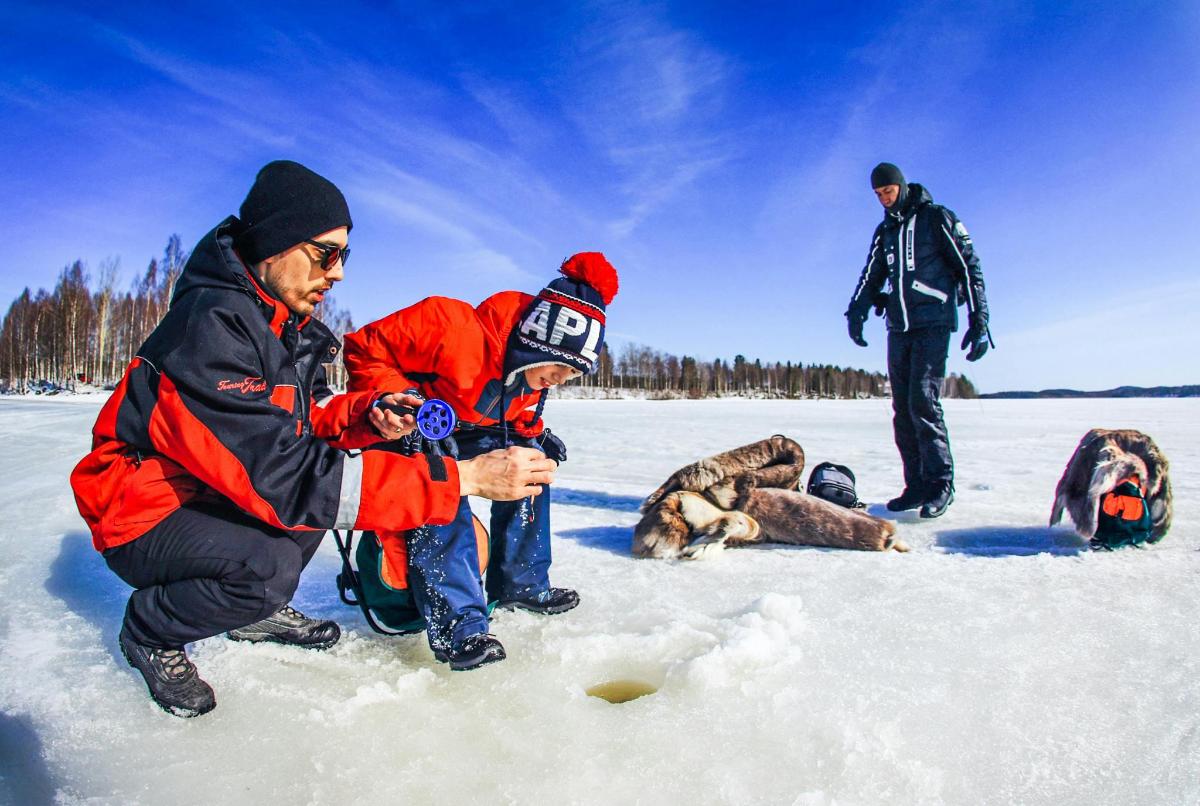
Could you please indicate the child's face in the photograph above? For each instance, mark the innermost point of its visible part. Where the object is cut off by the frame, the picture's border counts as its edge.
(549, 375)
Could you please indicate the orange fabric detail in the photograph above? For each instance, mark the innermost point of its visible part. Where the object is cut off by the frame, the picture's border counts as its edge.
(119, 496)
(175, 430)
(279, 311)
(397, 492)
(394, 568)
(1127, 507)
(462, 347)
(284, 397)
(1135, 480)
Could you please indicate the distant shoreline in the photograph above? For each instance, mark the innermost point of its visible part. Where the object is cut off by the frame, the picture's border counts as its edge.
(1121, 391)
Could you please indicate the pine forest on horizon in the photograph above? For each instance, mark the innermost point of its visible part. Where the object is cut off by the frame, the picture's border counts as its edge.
(86, 331)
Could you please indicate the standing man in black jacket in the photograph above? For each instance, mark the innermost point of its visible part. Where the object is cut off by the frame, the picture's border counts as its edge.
(924, 253)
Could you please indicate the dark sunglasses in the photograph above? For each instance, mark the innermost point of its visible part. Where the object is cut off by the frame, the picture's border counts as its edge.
(330, 253)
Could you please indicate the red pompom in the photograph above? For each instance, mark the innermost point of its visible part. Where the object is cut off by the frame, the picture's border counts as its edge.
(595, 270)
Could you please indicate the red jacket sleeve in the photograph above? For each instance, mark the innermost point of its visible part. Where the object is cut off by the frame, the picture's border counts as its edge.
(436, 336)
(341, 420)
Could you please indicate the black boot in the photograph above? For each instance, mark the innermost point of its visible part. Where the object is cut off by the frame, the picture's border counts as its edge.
(908, 499)
(476, 650)
(549, 602)
(171, 678)
(290, 626)
(939, 501)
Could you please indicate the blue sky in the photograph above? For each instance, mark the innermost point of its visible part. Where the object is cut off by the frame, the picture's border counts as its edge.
(718, 153)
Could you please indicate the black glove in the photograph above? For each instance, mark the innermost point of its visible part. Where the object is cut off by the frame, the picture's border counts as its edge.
(855, 324)
(977, 337)
(553, 446)
(414, 443)
(880, 301)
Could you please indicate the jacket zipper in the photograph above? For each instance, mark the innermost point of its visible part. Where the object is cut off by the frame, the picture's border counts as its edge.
(929, 291)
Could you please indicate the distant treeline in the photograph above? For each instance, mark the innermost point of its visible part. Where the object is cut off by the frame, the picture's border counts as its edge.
(643, 370)
(86, 331)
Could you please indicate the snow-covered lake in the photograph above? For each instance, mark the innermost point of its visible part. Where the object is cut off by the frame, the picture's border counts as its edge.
(999, 662)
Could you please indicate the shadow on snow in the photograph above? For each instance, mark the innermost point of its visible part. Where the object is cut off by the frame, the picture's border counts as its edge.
(80, 578)
(616, 539)
(1012, 541)
(24, 776)
(598, 500)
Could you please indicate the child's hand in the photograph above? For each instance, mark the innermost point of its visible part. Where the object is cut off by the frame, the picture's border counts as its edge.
(389, 424)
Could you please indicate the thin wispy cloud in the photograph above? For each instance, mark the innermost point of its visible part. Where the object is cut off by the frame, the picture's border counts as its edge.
(717, 154)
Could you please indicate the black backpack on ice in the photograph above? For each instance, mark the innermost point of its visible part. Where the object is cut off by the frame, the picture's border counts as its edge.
(834, 483)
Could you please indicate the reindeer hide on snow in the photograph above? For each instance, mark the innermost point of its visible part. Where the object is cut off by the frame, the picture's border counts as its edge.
(749, 495)
(1102, 459)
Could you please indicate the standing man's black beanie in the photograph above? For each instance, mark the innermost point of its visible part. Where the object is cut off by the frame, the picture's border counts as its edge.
(885, 174)
(287, 204)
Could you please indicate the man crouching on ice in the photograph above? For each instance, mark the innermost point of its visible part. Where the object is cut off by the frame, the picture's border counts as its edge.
(222, 457)
(493, 364)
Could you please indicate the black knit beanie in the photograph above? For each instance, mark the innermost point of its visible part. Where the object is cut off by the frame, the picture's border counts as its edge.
(885, 174)
(287, 204)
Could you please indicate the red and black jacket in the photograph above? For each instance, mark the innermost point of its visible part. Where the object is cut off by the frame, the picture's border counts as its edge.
(446, 349)
(227, 399)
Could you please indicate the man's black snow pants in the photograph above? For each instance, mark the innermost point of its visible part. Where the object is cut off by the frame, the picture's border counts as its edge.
(206, 569)
(916, 368)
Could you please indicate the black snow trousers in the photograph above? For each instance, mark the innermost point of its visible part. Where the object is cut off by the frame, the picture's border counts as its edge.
(206, 569)
(916, 368)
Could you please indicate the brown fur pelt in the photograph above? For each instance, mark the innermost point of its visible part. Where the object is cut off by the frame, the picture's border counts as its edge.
(774, 462)
(748, 495)
(1104, 457)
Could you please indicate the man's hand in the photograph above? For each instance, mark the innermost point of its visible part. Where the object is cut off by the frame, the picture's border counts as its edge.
(855, 324)
(389, 424)
(554, 447)
(977, 337)
(506, 475)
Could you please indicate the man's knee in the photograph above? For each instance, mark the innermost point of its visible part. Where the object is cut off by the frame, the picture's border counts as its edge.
(272, 575)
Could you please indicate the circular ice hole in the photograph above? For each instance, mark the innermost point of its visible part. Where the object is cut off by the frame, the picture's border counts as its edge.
(619, 691)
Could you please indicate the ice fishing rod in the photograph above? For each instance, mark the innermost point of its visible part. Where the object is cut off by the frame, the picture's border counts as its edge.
(435, 419)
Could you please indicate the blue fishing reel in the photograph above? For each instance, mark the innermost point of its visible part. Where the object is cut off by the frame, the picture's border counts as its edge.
(435, 419)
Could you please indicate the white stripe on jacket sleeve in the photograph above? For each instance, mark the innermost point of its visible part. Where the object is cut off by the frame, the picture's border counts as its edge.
(966, 271)
(351, 495)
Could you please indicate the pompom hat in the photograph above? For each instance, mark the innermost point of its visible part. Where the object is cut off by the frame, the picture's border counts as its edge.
(565, 322)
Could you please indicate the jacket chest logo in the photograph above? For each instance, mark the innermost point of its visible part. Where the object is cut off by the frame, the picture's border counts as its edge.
(245, 386)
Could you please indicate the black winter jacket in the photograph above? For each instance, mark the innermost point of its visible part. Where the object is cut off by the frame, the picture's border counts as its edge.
(227, 400)
(925, 254)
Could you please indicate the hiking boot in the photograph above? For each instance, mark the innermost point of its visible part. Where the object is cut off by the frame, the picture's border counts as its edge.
(290, 626)
(549, 602)
(908, 499)
(171, 678)
(939, 502)
(476, 650)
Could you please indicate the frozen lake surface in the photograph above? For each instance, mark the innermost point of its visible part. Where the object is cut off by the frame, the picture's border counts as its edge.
(999, 662)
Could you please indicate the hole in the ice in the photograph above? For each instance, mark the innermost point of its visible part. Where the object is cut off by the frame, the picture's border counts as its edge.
(619, 691)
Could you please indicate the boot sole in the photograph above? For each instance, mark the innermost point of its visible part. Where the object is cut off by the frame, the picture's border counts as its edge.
(268, 638)
(542, 611)
(939, 513)
(488, 659)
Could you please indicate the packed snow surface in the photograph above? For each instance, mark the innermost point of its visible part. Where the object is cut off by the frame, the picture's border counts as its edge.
(999, 662)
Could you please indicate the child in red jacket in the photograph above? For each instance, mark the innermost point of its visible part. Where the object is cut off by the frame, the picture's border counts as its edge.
(494, 365)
